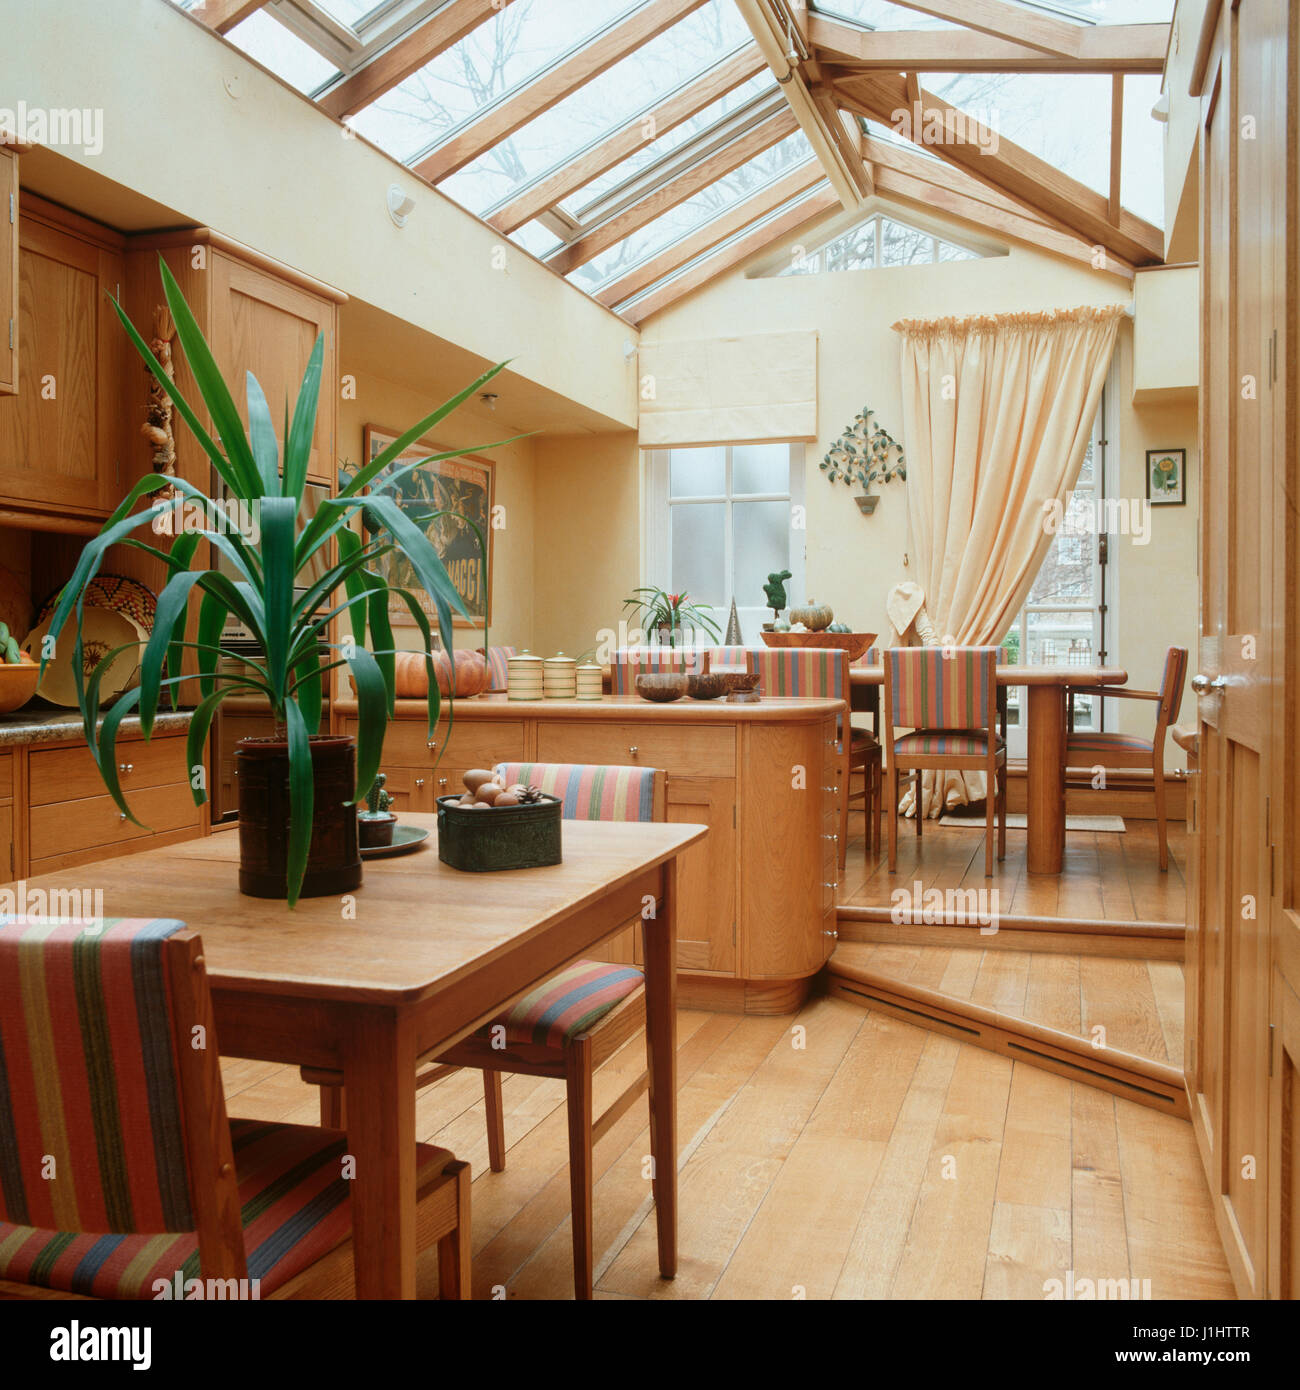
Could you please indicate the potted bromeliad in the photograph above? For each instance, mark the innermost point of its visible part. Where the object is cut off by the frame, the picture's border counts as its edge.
(667, 614)
(299, 788)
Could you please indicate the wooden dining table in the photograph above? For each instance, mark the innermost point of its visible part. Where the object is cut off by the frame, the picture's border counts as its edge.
(420, 955)
(1045, 733)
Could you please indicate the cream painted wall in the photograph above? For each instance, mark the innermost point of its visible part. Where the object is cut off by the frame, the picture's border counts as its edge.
(853, 560)
(1166, 334)
(396, 407)
(244, 154)
(588, 538)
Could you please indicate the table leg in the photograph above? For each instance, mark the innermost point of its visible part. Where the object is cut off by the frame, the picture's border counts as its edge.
(660, 949)
(379, 1076)
(1045, 805)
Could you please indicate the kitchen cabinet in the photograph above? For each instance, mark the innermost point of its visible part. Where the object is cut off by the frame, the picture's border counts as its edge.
(8, 271)
(756, 902)
(61, 432)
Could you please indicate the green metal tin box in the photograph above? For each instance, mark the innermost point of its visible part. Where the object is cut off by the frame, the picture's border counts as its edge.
(512, 837)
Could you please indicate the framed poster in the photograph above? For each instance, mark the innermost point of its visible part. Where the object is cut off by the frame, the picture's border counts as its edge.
(463, 486)
(1167, 477)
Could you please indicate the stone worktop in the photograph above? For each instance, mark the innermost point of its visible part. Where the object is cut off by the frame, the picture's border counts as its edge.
(45, 724)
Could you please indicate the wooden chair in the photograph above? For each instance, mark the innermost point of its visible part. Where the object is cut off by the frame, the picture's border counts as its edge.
(948, 697)
(823, 673)
(118, 1166)
(571, 1023)
(1088, 750)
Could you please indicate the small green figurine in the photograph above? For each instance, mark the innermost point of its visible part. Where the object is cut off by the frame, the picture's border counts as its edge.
(377, 799)
(775, 591)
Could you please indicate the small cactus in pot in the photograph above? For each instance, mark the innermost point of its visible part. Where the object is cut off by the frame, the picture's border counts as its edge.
(375, 824)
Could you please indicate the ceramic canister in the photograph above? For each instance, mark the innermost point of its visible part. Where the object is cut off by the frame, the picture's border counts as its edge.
(524, 677)
(591, 681)
(560, 679)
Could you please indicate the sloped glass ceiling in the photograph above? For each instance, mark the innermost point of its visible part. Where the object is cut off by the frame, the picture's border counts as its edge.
(881, 14)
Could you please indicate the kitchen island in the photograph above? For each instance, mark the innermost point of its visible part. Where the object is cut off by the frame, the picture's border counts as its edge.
(756, 914)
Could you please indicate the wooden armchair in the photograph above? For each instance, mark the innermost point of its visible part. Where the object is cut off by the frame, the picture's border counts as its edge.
(1088, 750)
(119, 1171)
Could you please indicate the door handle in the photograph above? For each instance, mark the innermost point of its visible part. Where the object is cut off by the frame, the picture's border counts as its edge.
(1202, 685)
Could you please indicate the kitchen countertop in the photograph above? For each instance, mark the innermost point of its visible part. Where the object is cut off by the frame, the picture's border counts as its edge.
(47, 725)
(621, 708)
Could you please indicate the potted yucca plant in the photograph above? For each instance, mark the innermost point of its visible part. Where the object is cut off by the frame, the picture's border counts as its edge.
(299, 788)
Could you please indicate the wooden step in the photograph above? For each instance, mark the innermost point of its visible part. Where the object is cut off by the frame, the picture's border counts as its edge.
(1115, 1023)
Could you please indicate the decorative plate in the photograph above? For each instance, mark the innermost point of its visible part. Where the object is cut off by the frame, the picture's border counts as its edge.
(103, 630)
(405, 839)
(120, 595)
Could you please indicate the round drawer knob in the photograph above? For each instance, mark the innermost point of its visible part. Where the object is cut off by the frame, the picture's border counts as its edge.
(633, 750)
(433, 743)
(442, 781)
(419, 781)
(121, 815)
(834, 934)
(126, 767)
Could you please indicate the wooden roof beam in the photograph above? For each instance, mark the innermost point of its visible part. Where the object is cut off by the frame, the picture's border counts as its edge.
(1000, 20)
(1060, 200)
(759, 137)
(506, 116)
(817, 117)
(223, 15)
(736, 219)
(638, 132)
(1102, 48)
(730, 255)
(446, 26)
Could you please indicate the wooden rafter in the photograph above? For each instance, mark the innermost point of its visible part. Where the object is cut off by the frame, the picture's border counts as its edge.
(1060, 200)
(501, 120)
(730, 255)
(1102, 48)
(223, 15)
(736, 219)
(635, 134)
(819, 121)
(447, 25)
(1000, 20)
(1113, 206)
(759, 137)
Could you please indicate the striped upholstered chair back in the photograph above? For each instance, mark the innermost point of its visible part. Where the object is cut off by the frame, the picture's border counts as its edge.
(588, 791)
(812, 672)
(631, 662)
(728, 658)
(942, 687)
(497, 668)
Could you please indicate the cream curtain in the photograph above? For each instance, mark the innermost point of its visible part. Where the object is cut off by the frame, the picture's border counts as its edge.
(997, 414)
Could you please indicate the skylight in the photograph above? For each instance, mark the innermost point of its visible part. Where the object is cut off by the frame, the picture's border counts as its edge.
(272, 45)
(878, 242)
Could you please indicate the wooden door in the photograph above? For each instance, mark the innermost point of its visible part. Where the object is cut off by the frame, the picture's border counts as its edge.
(706, 896)
(59, 434)
(8, 272)
(1240, 654)
(263, 325)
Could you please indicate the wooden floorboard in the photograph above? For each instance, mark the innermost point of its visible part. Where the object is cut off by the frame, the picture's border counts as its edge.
(1106, 876)
(837, 1153)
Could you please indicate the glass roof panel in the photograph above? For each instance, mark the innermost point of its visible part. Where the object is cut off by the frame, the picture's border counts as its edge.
(1050, 115)
(272, 45)
(638, 83)
(668, 142)
(535, 238)
(1113, 11)
(694, 212)
(879, 14)
(1142, 159)
(353, 13)
(512, 48)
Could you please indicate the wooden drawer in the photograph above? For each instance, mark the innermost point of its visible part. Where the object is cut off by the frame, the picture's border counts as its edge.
(689, 752)
(94, 822)
(69, 774)
(6, 776)
(472, 744)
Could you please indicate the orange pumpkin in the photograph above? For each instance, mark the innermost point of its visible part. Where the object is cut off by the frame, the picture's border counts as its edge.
(471, 672)
(410, 680)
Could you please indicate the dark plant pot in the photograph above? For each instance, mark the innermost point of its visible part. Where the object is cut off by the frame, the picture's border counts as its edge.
(867, 503)
(513, 837)
(376, 831)
(333, 860)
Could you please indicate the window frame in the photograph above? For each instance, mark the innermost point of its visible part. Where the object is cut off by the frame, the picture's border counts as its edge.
(658, 527)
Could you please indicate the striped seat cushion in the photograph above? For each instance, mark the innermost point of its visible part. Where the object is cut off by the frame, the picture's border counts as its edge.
(589, 791)
(568, 1003)
(296, 1208)
(961, 743)
(498, 670)
(1098, 743)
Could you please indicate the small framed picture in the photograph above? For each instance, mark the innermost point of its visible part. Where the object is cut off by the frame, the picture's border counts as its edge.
(1167, 477)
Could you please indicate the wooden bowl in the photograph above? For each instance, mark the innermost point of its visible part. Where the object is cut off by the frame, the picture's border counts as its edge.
(708, 686)
(17, 684)
(742, 686)
(855, 644)
(661, 686)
